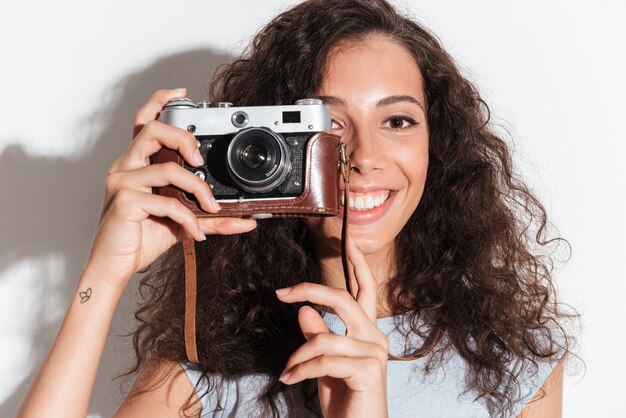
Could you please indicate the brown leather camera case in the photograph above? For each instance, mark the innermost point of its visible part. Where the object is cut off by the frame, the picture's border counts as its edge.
(320, 196)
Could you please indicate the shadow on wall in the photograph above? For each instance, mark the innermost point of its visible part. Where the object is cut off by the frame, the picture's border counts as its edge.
(54, 209)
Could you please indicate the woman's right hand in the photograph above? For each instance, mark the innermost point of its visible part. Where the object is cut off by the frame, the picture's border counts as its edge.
(136, 226)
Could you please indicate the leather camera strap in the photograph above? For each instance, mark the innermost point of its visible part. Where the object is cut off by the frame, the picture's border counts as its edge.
(189, 248)
(191, 281)
(344, 169)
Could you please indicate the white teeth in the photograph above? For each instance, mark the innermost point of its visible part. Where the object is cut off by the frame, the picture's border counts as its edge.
(365, 202)
(343, 199)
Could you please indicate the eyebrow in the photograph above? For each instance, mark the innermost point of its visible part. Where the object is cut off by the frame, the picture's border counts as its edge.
(385, 101)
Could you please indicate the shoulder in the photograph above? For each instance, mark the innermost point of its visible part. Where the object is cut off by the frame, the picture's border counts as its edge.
(241, 396)
(541, 379)
(228, 397)
(171, 389)
(547, 402)
(162, 389)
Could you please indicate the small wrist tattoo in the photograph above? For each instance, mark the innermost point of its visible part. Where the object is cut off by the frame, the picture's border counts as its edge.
(84, 296)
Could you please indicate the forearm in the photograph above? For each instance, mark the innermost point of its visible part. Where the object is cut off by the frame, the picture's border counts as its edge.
(65, 381)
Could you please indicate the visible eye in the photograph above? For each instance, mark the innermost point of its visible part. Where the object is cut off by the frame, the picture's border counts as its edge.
(335, 124)
(399, 122)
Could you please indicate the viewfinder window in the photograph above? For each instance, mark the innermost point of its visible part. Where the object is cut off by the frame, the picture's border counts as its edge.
(291, 117)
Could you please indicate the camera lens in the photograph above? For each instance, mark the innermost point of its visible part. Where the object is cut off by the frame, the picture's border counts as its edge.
(258, 159)
(255, 155)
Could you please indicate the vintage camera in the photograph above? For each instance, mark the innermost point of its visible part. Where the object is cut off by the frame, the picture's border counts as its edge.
(261, 161)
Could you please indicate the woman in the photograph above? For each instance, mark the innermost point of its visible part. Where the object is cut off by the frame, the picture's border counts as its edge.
(444, 245)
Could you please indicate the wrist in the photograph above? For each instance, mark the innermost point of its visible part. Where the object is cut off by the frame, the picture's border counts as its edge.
(93, 277)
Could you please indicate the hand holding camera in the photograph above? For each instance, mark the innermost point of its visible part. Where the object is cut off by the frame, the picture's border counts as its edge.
(257, 162)
(136, 226)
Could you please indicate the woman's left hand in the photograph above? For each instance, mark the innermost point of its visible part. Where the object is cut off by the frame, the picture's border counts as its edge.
(351, 370)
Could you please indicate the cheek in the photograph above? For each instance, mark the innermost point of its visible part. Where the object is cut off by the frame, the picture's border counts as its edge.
(414, 167)
(413, 162)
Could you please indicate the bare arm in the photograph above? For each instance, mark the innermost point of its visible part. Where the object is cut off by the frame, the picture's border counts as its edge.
(135, 228)
(551, 405)
(64, 383)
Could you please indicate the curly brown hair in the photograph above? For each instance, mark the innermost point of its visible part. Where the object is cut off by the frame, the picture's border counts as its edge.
(475, 251)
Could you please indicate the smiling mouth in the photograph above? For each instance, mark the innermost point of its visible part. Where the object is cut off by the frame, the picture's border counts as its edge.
(366, 201)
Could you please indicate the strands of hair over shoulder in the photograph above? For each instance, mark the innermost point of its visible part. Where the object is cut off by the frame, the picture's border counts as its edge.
(474, 252)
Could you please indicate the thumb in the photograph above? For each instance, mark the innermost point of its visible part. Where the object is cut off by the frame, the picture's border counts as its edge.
(311, 323)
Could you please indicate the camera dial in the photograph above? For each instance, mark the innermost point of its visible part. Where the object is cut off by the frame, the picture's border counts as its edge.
(304, 102)
(180, 103)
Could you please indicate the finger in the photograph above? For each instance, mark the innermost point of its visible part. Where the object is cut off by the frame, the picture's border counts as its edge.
(159, 175)
(151, 109)
(311, 323)
(360, 374)
(328, 344)
(226, 226)
(356, 321)
(367, 294)
(137, 206)
(154, 136)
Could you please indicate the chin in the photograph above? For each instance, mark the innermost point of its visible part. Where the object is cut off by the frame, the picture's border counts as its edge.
(371, 242)
(328, 231)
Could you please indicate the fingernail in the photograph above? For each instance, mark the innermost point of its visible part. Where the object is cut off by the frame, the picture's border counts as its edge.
(200, 235)
(284, 377)
(283, 291)
(198, 157)
(215, 204)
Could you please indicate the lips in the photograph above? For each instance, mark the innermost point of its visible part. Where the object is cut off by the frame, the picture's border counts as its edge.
(366, 201)
(367, 206)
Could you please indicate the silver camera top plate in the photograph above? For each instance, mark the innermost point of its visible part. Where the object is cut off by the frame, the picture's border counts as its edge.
(223, 120)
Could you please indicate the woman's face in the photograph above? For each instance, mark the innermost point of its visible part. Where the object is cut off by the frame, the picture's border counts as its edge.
(375, 92)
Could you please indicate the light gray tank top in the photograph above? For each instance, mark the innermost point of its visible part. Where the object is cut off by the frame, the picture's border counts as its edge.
(410, 393)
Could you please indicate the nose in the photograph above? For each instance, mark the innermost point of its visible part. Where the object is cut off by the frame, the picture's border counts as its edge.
(366, 156)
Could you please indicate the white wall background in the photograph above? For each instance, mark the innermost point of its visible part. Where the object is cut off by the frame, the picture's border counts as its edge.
(73, 73)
